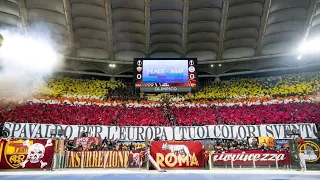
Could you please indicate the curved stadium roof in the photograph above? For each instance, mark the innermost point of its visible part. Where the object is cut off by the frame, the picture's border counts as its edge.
(244, 36)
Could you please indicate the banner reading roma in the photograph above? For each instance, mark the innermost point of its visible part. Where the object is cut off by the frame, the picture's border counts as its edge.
(26, 154)
(246, 158)
(105, 159)
(177, 154)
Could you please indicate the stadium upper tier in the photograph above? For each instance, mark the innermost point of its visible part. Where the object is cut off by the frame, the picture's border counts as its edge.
(157, 116)
(289, 85)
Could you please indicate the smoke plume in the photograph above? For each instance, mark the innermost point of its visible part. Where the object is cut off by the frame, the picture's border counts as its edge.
(26, 60)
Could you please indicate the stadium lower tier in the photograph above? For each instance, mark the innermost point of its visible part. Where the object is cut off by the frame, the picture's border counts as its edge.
(159, 116)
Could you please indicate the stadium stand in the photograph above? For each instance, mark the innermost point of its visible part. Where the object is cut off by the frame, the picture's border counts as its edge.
(186, 116)
(286, 99)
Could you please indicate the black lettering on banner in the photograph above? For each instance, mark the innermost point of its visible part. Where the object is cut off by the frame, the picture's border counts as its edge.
(98, 131)
(6, 129)
(140, 133)
(108, 135)
(23, 133)
(201, 132)
(307, 130)
(80, 130)
(173, 133)
(38, 132)
(190, 132)
(269, 131)
(259, 130)
(32, 128)
(57, 128)
(284, 129)
(296, 127)
(47, 131)
(232, 133)
(277, 128)
(149, 133)
(68, 131)
(25, 130)
(164, 134)
(251, 131)
(225, 131)
(122, 133)
(130, 132)
(314, 129)
(16, 127)
(182, 131)
(242, 134)
(208, 133)
(157, 131)
(90, 130)
(215, 131)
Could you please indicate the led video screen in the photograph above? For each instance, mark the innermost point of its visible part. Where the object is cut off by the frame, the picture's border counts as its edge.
(165, 75)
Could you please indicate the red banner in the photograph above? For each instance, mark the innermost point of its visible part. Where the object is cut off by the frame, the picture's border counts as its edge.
(246, 158)
(177, 154)
(86, 142)
(17, 154)
(107, 159)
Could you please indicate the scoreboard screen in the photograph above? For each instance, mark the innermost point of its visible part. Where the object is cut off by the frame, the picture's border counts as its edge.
(165, 75)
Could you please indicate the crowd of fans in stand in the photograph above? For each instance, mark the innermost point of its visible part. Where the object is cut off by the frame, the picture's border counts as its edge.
(143, 116)
(105, 144)
(298, 85)
(279, 86)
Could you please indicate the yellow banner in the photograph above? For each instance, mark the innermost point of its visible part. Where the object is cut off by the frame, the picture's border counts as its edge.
(1, 148)
(269, 141)
(97, 159)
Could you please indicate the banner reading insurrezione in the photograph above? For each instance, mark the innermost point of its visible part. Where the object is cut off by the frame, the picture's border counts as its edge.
(105, 159)
(139, 133)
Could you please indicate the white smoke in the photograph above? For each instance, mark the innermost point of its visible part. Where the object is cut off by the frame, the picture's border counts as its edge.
(25, 62)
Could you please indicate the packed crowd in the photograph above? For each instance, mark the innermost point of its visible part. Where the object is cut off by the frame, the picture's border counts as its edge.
(289, 85)
(105, 144)
(280, 86)
(287, 99)
(90, 88)
(155, 116)
(225, 145)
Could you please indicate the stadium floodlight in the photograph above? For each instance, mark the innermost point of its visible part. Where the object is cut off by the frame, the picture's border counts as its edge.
(299, 57)
(112, 65)
(309, 47)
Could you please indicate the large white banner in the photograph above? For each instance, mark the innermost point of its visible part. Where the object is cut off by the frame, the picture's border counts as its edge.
(139, 133)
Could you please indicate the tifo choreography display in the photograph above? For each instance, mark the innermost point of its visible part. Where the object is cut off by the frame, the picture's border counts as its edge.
(139, 133)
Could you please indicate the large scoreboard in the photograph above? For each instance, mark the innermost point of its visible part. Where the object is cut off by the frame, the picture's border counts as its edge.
(159, 75)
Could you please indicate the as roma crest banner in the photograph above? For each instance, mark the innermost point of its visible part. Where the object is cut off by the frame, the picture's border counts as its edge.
(177, 154)
(19, 154)
(311, 151)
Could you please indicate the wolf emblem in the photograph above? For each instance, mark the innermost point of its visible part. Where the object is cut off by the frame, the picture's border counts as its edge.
(176, 149)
